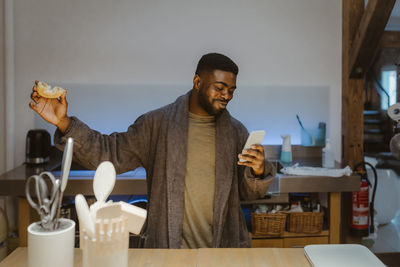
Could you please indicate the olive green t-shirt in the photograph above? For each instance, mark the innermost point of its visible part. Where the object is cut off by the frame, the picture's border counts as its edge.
(199, 183)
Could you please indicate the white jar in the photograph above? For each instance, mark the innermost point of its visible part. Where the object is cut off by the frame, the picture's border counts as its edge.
(51, 248)
(109, 246)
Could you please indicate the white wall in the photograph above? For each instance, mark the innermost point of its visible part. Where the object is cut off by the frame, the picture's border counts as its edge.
(393, 23)
(288, 45)
(258, 107)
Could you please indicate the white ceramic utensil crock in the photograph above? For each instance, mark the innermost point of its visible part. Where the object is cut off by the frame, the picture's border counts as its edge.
(51, 248)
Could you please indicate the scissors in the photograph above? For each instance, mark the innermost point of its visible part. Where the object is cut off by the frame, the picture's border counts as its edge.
(47, 200)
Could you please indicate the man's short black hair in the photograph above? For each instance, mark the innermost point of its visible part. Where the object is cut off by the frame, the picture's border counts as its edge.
(214, 61)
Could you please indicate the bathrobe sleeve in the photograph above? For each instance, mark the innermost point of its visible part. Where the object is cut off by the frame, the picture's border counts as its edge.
(126, 150)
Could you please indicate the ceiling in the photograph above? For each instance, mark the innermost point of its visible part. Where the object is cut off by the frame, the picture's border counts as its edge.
(394, 20)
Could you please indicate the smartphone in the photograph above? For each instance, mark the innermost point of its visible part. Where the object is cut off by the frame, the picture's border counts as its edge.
(255, 137)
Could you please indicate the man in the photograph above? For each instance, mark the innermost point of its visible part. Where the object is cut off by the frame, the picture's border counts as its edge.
(190, 151)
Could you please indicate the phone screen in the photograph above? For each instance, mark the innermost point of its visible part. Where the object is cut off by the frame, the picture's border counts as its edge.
(255, 137)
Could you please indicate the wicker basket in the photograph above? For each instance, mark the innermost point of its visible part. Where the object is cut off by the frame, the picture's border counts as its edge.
(269, 225)
(305, 222)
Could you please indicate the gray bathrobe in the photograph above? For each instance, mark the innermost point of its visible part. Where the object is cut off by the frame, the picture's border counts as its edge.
(158, 142)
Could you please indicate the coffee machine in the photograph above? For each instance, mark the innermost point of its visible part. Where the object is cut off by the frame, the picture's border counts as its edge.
(37, 146)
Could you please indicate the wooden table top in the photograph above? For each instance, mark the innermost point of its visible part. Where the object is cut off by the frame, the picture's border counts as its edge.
(208, 257)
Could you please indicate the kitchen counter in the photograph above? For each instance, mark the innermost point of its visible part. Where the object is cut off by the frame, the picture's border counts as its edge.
(192, 257)
(12, 183)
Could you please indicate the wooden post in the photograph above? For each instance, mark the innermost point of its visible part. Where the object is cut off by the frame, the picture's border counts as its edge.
(334, 218)
(352, 89)
(24, 218)
(352, 108)
(361, 32)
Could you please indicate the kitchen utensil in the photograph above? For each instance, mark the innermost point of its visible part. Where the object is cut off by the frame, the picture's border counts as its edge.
(135, 217)
(65, 168)
(103, 184)
(110, 211)
(85, 220)
(46, 199)
(304, 129)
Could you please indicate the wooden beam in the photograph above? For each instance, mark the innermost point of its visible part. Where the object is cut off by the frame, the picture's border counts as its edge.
(370, 30)
(352, 89)
(352, 107)
(390, 39)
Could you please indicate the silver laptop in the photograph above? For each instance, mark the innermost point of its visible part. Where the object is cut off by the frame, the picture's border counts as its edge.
(343, 255)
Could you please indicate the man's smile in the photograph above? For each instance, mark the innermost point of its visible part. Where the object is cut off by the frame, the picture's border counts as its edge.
(222, 103)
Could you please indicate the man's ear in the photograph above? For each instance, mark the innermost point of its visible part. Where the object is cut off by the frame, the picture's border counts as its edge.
(196, 82)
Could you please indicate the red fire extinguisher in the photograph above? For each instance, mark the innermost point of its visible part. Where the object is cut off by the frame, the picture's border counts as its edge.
(361, 209)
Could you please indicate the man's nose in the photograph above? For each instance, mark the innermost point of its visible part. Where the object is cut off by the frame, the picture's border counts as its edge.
(225, 94)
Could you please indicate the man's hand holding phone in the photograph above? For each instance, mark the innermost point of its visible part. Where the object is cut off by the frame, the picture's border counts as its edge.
(253, 153)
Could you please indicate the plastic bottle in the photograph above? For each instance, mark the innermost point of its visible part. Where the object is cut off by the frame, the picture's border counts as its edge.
(328, 159)
(286, 153)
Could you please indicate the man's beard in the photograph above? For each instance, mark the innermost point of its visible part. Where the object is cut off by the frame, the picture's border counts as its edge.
(207, 106)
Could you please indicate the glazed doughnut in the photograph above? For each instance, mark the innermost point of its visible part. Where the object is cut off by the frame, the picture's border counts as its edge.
(47, 91)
